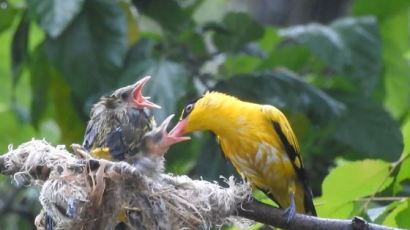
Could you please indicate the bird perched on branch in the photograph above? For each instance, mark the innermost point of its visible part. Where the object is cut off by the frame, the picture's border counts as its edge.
(118, 122)
(259, 142)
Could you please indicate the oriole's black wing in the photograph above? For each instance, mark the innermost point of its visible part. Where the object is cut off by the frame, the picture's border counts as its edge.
(292, 150)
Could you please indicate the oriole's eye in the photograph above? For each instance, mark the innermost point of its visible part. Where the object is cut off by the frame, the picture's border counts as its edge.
(188, 108)
(124, 95)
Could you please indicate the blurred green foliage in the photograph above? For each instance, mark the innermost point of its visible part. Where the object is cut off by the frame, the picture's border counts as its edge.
(345, 87)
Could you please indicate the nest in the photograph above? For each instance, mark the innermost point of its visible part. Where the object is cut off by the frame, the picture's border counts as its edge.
(80, 192)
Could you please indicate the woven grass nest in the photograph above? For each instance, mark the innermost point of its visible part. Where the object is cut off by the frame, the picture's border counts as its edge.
(80, 192)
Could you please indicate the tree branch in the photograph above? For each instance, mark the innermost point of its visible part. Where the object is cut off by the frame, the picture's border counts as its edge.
(87, 193)
(263, 213)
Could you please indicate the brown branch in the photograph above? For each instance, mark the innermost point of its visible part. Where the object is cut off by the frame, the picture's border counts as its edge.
(263, 213)
(82, 192)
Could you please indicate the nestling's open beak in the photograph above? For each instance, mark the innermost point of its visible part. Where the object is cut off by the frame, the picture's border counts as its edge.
(178, 130)
(158, 141)
(138, 99)
(169, 138)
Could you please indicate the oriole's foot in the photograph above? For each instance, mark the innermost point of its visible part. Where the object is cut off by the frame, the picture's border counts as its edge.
(290, 211)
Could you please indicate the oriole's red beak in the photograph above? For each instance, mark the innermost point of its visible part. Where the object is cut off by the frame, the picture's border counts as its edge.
(178, 130)
(169, 138)
(138, 99)
(159, 144)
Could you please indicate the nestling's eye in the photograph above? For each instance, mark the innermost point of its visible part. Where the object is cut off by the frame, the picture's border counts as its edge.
(188, 108)
(124, 95)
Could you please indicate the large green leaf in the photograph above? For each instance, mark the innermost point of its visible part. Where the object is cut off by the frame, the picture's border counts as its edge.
(341, 47)
(240, 64)
(167, 86)
(334, 209)
(40, 83)
(19, 48)
(402, 218)
(72, 127)
(169, 78)
(404, 172)
(239, 29)
(369, 129)
(349, 182)
(395, 34)
(17, 131)
(284, 89)
(354, 180)
(380, 8)
(54, 16)
(168, 14)
(90, 52)
(399, 216)
(7, 13)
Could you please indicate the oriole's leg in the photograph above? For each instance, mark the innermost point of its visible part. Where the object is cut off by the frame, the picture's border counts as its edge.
(291, 210)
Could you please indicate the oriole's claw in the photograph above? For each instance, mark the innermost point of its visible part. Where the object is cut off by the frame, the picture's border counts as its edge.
(290, 211)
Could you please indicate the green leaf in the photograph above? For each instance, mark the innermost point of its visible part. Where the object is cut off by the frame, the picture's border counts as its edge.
(240, 64)
(395, 33)
(7, 13)
(90, 52)
(17, 131)
(340, 46)
(334, 209)
(169, 78)
(40, 83)
(239, 30)
(166, 86)
(379, 213)
(269, 40)
(398, 217)
(19, 49)
(380, 8)
(402, 217)
(404, 172)
(168, 14)
(72, 127)
(132, 24)
(322, 41)
(295, 57)
(354, 180)
(54, 16)
(369, 129)
(284, 89)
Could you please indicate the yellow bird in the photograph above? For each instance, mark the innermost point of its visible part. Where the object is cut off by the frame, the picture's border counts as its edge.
(259, 142)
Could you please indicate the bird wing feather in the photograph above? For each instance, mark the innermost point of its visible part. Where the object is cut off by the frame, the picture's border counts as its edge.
(283, 129)
(90, 135)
